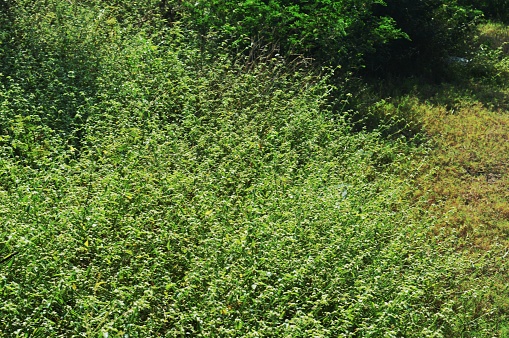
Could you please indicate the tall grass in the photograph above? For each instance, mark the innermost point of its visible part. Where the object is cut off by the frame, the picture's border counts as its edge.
(496, 35)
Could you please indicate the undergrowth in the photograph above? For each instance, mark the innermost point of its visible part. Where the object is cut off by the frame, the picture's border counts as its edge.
(150, 189)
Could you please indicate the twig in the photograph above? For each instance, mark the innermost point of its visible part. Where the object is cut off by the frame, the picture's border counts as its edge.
(6, 258)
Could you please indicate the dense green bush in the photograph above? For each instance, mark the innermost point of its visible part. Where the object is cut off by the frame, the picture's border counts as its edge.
(388, 36)
(334, 32)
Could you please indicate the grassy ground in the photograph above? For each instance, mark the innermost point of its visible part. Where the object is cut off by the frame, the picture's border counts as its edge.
(470, 185)
(464, 183)
(471, 180)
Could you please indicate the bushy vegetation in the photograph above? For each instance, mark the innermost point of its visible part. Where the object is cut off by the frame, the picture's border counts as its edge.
(335, 32)
(493, 9)
(162, 176)
(383, 35)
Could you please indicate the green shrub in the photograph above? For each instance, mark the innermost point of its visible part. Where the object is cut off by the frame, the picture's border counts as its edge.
(334, 32)
(254, 213)
(394, 36)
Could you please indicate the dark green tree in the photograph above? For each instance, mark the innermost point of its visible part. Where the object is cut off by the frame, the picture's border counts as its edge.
(333, 32)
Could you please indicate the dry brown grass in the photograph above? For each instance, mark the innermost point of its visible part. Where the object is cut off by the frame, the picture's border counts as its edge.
(470, 182)
(466, 187)
(464, 181)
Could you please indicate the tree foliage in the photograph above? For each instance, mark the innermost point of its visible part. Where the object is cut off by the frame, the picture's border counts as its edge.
(492, 9)
(334, 32)
(382, 35)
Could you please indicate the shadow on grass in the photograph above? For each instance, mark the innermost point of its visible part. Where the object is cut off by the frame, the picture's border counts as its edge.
(48, 75)
(389, 104)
